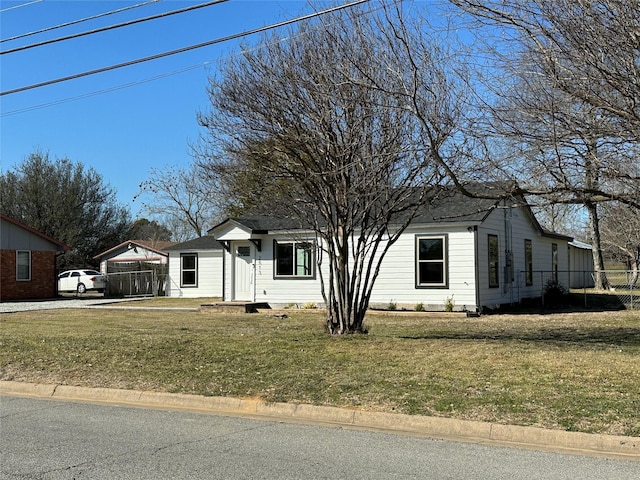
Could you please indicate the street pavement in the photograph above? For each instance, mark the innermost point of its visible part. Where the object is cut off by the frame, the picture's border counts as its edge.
(52, 439)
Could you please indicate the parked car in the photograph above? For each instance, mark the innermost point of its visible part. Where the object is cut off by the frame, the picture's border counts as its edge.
(81, 281)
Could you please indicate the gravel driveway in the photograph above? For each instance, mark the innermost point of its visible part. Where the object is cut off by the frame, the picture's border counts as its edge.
(63, 302)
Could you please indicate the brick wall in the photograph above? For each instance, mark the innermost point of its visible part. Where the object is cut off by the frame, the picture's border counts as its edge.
(43, 277)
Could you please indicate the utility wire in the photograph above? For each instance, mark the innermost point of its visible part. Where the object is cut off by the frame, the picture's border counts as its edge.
(184, 49)
(62, 25)
(142, 81)
(21, 5)
(103, 91)
(112, 27)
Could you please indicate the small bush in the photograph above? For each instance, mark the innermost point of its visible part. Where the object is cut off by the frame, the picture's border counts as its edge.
(554, 292)
(419, 307)
(392, 305)
(309, 306)
(449, 304)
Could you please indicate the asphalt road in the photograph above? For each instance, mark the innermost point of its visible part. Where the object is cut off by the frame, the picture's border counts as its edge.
(47, 439)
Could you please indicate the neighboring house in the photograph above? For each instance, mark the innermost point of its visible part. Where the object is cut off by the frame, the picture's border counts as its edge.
(27, 261)
(196, 268)
(136, 267)
(474, 253)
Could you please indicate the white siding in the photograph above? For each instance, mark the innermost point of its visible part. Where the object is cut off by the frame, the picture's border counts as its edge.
(209, 275)
(512, 230)
(283, 291)
(466, 262)
(397, 279)
(581, 266)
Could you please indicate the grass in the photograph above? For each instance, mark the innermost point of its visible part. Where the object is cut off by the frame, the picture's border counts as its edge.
(570, 371)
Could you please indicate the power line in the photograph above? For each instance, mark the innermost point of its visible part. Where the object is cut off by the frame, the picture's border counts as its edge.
(113, 27)
(67, 24)
(184, 49)
(21, 5)
(140, 81)
(105, 90)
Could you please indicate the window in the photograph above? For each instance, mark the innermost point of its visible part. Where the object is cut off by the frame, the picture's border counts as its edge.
(293, 259)
(528, 263)
(494, 261)
(23, 265)
(431, 261)
(189, 270)
(554, 261)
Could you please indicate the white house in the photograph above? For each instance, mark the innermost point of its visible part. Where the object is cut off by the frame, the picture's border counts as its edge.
(196, 268)
(474, 253)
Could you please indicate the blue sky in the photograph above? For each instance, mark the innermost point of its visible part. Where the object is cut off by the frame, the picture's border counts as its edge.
(126, 132)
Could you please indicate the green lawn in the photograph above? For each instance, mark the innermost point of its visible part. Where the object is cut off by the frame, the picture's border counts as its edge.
(578, 372)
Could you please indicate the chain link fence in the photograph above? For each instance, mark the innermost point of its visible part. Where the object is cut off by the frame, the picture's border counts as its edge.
(547, 288)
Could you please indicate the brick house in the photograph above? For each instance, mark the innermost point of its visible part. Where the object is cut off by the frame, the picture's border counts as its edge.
(27, 261)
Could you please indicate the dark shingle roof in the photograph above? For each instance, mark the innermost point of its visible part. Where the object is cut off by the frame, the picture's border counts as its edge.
(202, 243)
(447, 205)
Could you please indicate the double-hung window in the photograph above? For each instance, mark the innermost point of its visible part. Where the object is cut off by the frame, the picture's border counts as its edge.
(293, 259)
(493, 245)
(23, 265)
(528, 263)
(189, 270)
(431, 261)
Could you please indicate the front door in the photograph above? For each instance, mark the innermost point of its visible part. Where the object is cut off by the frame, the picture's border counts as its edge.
(243, 271)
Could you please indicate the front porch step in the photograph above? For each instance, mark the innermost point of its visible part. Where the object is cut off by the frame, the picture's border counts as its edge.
(234, 307)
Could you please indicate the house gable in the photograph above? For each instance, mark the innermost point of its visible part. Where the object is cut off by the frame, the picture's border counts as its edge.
(28, 260)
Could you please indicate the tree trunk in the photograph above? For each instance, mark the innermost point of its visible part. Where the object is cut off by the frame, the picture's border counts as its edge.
(600, 278)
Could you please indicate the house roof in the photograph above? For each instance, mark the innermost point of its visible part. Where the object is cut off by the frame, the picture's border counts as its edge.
(156, 246)
(447, 206)
(34, 231)
(580, 245)
(262, 223)
(202, 243)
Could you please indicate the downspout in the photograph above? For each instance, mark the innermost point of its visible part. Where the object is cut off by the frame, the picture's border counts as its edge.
(477, 268)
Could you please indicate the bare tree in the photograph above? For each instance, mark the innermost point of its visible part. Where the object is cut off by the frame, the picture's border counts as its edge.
(588, 49)
(569, 106)
(358, 115)
(621, 235)
(181, 199)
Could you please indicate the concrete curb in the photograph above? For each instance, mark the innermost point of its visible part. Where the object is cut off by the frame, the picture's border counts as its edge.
(436, 427)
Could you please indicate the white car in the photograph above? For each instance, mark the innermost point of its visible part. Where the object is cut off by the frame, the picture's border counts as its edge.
(81, 281)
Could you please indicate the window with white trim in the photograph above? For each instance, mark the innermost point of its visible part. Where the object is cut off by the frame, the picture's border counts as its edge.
(431, 261)
(23, 265)
(293, 259)
(189, 270)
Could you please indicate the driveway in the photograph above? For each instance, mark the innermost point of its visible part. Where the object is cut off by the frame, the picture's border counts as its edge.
(60, 302)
